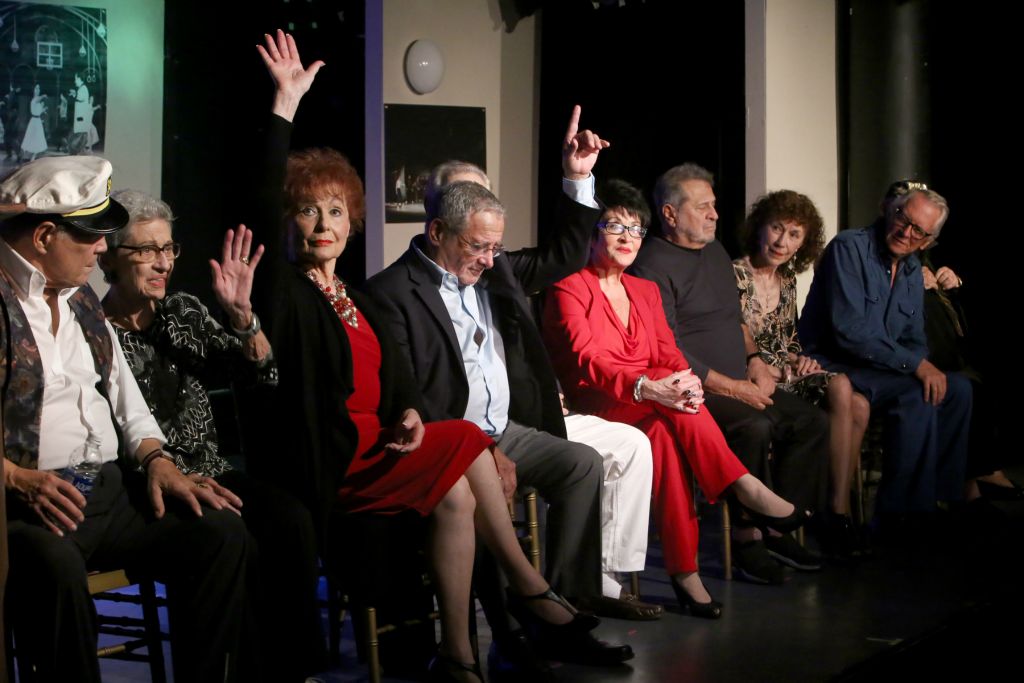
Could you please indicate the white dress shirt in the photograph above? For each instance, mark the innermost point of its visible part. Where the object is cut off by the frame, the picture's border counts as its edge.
(72, 407)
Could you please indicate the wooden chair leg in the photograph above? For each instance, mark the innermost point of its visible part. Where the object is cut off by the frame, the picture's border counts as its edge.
(372, 645)
(533, 527)
(858, 477)
(151, 624)
(726, 541)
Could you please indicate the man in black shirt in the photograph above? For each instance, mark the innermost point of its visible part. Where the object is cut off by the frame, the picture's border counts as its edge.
(699, 293)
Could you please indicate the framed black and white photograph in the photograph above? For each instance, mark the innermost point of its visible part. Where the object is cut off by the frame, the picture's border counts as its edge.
(418, 138)
(53, 74)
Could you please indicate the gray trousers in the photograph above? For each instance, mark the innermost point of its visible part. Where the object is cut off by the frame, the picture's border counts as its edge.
(568, 476)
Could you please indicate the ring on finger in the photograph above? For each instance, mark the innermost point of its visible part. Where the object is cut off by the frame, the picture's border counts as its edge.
(245, 260)
(202, 485)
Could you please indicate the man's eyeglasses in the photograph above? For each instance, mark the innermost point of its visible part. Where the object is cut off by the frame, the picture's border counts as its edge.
(477, 249)
(903, 222)
(637, 231)
(147, 253)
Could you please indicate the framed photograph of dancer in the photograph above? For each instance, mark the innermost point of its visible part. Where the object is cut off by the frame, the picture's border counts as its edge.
(53, 81)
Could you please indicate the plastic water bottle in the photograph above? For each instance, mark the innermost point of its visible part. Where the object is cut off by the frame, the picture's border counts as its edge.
(84, 464)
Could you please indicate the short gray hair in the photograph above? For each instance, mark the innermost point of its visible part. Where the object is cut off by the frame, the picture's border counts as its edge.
(442, 174)
(141, 207)
(456, 202)
(669, 188)
(933, 197)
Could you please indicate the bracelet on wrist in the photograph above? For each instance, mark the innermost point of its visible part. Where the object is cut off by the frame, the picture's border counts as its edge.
(638, 389)
(249, 332)
(151, 456)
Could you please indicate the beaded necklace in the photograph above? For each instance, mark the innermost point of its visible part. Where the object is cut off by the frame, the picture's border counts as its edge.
(337, 297)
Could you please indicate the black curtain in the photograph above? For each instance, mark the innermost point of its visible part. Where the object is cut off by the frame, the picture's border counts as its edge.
(925, 91)
(662, 80)
(217, 96)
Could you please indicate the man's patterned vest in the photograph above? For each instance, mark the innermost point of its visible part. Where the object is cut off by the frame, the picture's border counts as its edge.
(21, 370)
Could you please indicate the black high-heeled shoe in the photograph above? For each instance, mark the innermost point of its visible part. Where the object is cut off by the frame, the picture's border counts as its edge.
(569, 642)
(783, 525)
(442, 669)
(529, 619)
(704, 610)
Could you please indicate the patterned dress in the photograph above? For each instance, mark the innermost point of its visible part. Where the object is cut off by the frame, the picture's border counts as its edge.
(183, 351)
(774, 331)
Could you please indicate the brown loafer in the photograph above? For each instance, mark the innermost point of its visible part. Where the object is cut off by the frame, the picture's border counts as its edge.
(627, 606)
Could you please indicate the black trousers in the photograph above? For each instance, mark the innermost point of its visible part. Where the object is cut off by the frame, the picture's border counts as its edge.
(793, 431)
(283, 582)
(202, 561)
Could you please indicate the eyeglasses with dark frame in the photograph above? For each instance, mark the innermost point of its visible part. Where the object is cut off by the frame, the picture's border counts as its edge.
(477, 249)
(146, 253)
(637, 231)
(903, 222)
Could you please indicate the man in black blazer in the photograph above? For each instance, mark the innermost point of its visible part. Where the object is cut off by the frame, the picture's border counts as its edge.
(458, 306)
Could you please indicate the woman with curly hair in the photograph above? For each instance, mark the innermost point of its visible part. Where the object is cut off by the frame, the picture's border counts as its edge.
(783, 236)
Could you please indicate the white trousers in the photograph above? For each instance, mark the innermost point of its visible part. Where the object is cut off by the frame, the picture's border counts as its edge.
(626, 496)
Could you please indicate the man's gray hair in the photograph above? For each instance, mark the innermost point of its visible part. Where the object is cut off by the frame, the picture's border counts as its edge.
(442, 174)
(933, 197)
(141, 207)
(669, 188)
(455, 203)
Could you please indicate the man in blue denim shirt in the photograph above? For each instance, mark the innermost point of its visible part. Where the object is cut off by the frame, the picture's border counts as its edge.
(864, 316)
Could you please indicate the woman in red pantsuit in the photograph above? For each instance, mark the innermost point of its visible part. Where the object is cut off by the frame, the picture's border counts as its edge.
(617, 357)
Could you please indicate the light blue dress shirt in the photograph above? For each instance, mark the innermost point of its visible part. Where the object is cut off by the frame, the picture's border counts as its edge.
(483, 353)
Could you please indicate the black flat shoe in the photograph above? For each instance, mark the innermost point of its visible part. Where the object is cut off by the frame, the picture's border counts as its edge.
(783, 525)
(444, 669)
(752, 562)
(839, 539)
(512, 659)
(704, 610)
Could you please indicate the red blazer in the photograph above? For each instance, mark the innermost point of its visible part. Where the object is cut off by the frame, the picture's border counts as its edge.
(593, 357)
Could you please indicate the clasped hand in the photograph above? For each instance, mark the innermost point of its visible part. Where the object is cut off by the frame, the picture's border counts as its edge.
(681, 390)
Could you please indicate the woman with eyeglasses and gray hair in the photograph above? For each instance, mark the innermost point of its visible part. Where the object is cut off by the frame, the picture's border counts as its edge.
(177, 351)
(617, 358)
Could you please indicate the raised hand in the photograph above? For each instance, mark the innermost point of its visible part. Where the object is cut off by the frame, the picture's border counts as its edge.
(291, 80)
(580, 148)
(232, 277)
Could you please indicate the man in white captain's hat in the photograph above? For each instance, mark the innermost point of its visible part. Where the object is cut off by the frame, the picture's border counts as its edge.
(65, 381)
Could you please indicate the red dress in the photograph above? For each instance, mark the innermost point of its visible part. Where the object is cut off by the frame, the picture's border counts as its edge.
(380, 480)
(598, 361)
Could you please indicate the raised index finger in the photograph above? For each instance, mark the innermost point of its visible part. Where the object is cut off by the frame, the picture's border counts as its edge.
(574, 124)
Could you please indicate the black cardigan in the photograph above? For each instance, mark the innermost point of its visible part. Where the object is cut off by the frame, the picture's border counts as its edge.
(306, 439)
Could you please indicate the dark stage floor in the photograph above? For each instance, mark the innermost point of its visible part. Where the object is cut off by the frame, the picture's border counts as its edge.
(935, 600)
